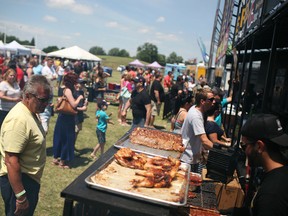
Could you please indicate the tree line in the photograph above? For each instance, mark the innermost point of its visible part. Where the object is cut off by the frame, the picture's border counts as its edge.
(147, 52)
(10, 38)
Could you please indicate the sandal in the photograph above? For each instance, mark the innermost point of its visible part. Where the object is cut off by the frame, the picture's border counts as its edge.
(124, 124)
(93, 156)
(63, 165)
(55, 162)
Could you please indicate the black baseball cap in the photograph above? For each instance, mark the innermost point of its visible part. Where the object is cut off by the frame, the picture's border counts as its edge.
(102, 103)
(265, 126)
(139, 79)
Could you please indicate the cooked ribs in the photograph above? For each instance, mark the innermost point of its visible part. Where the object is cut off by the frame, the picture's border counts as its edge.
(157, 139)
(158, 172)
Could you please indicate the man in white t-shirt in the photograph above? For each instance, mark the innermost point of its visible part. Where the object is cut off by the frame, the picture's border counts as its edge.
(49, 72)
(193, 131)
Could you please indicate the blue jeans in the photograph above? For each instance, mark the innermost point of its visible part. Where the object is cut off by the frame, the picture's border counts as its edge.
(32, 190)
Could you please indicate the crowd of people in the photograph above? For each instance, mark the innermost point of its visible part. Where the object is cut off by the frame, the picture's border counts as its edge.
(196, 115)
(23, 151)
(195, 108)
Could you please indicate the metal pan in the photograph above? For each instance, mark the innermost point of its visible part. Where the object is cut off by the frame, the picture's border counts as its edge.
(124, 142)
(113, 178)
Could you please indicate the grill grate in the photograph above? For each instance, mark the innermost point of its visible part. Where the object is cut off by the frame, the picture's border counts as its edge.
(205, 197)
(221, 164)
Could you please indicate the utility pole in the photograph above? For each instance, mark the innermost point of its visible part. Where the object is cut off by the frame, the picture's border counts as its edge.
(5, 33)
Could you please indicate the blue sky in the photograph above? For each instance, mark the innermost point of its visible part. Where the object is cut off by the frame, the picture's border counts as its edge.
(171, 25)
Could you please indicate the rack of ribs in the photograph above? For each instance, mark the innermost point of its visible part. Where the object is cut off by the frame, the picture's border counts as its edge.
(157, 139)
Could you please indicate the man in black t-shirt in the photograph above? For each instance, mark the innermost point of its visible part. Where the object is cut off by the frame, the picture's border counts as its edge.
(140, 104)
(157, 96)
(175, 92)
(266, 145)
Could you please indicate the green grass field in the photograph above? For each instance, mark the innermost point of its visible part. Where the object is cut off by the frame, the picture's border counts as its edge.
(55, 179)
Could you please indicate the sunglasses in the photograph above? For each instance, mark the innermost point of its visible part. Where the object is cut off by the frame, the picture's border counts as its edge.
(211, 99)
(41, 100)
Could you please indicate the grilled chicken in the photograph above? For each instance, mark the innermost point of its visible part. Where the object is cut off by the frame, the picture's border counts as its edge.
(158, 172)
(127, 158)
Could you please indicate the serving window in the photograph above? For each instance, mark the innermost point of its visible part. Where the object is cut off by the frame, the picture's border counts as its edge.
(280, 92)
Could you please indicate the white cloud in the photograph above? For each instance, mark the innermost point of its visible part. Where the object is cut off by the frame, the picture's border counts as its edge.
(112, 24)
(70, 5)
(77, 34)
(21, 30)
(154, 41)
(59, 3)
(144, 30)
(116, 25)
(160, 19)
(166, 37)
(43, 36)
(66, 37)
(49, 18)
(81, 9)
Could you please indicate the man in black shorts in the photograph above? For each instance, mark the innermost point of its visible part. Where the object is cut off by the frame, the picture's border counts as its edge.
(140, 103)
(266, 145)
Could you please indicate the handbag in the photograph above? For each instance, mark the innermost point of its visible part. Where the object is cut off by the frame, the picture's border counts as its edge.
(124, 92)
(63, 106)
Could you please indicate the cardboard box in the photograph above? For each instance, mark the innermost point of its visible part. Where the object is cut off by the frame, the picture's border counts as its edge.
(228, 195)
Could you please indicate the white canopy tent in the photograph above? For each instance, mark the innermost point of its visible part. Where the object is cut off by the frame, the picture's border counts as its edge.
(76, 53)
(38, 52)
(6, 50)
(2, 47)
(20, 50)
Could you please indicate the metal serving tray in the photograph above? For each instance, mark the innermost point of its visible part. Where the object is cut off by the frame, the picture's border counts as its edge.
(124, 142)
(114, 178)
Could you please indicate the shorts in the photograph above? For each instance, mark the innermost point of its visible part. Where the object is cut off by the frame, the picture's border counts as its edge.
(124, 101)
(155, 108)
(59, 78)
(101, 136)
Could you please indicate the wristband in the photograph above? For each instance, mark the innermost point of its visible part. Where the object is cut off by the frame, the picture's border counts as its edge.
(18, 195)
(21, 202)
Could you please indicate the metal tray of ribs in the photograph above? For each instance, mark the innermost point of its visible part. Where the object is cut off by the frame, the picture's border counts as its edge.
(134, 181)
(152, 142)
